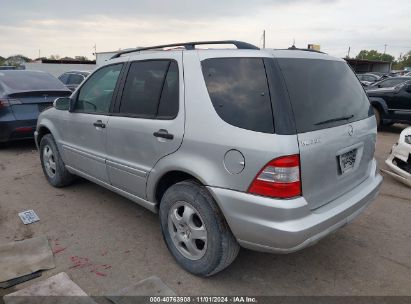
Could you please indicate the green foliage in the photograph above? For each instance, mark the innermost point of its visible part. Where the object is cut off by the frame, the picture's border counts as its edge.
(54, 57)
(2, 60)
(81, 58)
(404, 61)
(374, 55)
(16, 60)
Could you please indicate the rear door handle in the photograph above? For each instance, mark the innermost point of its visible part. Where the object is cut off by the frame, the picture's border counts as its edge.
(99, 124)
(163, 134)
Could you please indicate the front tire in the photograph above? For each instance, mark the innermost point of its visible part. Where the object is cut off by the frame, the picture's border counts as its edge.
(51, 162)
(195, 231)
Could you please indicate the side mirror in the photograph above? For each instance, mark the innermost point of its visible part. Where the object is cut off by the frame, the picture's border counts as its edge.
(408, 88)
(62, 103)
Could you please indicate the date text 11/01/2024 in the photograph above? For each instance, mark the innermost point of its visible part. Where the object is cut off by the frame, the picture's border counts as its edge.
(203, 299)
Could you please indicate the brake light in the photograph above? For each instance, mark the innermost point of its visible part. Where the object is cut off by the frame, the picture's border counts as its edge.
(280, 178)
(4, 103)
(8, 102)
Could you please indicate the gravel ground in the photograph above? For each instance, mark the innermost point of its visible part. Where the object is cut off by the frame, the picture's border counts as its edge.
(105, 242)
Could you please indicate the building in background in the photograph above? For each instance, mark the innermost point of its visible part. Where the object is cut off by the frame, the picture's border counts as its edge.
(60, 66)
(315, 47)
(102, 57)
(366, 66)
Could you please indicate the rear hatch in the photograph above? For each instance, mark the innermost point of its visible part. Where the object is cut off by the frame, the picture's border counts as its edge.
(335, 126)
(31, 92)
(28, 105)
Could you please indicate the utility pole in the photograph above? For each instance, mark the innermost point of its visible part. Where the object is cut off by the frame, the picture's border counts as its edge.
(39, 54)
(95, 50)
(264, 39)
(349, 49)
(385, 48)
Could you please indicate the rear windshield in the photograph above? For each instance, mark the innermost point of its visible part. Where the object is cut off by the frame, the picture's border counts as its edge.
(28, 81)
(323, 93)
(239, 92)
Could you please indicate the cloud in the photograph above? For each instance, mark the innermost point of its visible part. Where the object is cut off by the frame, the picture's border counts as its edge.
(70, 29)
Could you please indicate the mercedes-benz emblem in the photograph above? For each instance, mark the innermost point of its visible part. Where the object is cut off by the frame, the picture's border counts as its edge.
(350, 130)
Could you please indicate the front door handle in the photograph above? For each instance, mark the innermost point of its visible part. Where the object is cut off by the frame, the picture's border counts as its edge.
(99, 124)
(163, 134)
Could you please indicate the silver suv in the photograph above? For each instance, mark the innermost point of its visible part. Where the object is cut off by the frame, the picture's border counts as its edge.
(266, 149)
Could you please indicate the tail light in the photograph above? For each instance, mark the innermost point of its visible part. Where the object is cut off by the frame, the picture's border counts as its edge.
(8, 102)
(4, 103)
(280, 178)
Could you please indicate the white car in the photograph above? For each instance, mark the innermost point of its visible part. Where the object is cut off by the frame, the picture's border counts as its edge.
(399, 160)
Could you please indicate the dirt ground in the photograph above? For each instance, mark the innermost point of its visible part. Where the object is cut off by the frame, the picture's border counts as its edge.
(123, 243)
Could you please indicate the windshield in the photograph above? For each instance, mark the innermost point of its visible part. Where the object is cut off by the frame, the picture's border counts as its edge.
(323, 93)
(29, 81)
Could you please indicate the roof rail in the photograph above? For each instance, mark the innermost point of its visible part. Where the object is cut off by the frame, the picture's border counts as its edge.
(191, 46)
(306, 50)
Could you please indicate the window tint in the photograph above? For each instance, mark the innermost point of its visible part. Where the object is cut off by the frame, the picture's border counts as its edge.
(143, 87)
(322, 91)
(239, 92)
(75, 79)
(96, 94)
(168, 107)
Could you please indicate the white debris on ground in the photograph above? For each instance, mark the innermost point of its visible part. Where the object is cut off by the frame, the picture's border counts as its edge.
(28, 217)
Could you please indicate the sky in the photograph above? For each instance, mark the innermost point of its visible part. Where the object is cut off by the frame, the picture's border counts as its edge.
(73, 28)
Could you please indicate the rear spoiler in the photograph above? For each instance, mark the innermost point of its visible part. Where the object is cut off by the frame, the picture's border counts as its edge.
(39, 93)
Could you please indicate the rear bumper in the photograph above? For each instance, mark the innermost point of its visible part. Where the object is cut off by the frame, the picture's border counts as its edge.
(284, 226)
(17, 129)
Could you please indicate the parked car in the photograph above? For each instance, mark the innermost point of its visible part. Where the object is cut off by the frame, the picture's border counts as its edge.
(382, 75)
(399, 160)
(392, 105)
(396, 73)
(368, 79)
(388, 83)
(23, 95)
(268, 149)
(72, 79)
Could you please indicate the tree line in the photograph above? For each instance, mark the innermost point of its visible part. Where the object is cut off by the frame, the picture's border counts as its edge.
(397, 64)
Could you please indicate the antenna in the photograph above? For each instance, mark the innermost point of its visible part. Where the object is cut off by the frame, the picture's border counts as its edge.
(263, 39)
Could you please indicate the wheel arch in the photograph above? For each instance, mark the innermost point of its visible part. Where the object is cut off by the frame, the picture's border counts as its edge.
(169, 178)
(380, 104)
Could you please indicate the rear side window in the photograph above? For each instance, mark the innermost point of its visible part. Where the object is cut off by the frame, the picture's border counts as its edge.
(64, 78)
(239, 92)
(151, 90)
(323, 93)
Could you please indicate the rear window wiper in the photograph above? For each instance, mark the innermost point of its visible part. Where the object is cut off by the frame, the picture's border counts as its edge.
(334, 120)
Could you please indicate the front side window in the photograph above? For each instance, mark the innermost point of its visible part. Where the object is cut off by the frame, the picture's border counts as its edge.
(96, 94)
(239, 92)
(151, 90)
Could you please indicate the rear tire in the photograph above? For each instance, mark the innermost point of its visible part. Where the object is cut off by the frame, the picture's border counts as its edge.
(377, 114)
(195, 231)
(53, 166)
